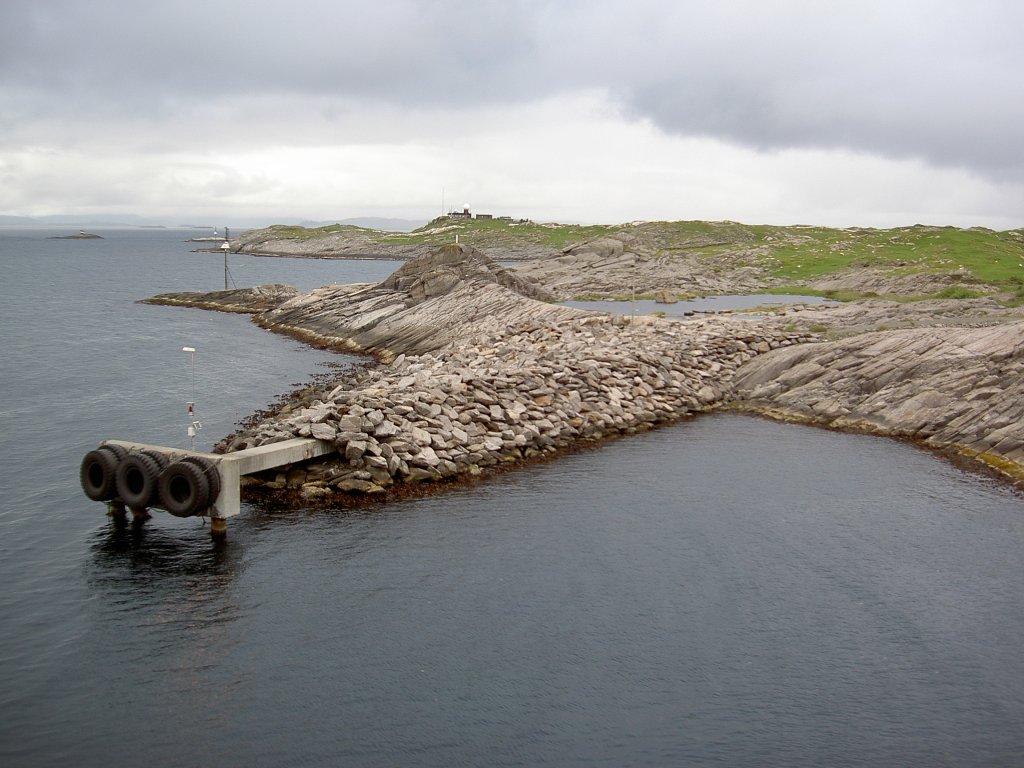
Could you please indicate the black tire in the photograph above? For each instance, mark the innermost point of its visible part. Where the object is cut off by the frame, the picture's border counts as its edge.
(184, 490)
(211, 474)
(161, 459)
(98, 474)
(137, 477)
(118, 450)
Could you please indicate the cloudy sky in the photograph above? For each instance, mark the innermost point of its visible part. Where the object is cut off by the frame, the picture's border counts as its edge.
(838, 112)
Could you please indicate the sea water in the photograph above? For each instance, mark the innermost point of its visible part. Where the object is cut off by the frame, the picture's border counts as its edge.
(726, 591)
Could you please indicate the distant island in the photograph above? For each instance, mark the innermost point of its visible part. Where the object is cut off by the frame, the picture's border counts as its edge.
(79, 236)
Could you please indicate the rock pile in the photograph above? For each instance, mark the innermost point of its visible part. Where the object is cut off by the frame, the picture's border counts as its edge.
(504, 397)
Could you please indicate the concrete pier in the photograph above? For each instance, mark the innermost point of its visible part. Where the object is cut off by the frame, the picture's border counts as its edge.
(232, 466)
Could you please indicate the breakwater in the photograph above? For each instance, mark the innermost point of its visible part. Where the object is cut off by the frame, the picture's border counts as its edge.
(500, 398)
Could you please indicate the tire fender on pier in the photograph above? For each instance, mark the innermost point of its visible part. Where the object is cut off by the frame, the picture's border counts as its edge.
(184, 489)
(211, 474)
(98, 473)
(136, 479)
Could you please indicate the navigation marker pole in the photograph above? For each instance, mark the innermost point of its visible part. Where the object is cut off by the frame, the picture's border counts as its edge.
(226, 247)
(195, 425)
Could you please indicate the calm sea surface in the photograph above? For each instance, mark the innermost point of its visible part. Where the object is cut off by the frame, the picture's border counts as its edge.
(727, 591)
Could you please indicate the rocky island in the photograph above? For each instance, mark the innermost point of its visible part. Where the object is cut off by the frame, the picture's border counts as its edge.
(79, 236)
(478, 369)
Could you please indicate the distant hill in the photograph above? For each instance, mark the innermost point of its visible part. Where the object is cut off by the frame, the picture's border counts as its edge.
(379, 223)
(372, 222)
(80, 220)
(17, 221)
(700, 257)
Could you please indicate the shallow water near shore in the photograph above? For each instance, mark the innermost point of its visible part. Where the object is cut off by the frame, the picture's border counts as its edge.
(701, 305)
(725, 591)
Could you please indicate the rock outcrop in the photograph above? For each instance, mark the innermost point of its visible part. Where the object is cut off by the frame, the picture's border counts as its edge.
(887, 283)
(349, 245)
(244, 300)
(847, 318)
(454, 293)
(955, 388)
(613, 266)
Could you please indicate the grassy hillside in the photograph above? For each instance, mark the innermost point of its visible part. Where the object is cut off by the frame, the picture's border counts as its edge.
(982, 254)
(788, 255)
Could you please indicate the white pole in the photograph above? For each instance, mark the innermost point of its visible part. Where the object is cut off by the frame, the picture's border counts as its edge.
(192, 351)
(193, 425)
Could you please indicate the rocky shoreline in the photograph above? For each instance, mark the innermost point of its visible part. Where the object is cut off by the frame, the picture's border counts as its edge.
(952, 388)
(477, 372)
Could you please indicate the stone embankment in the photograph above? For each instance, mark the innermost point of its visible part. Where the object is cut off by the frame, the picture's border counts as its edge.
(955, 388)
(531, 389)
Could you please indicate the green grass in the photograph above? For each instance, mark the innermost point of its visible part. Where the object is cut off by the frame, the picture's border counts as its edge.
(981, 255)
(791, 254)
(958, 292)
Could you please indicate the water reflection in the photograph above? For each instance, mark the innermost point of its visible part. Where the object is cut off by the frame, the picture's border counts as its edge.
(176, 578)
(702, 305)
(150, 550)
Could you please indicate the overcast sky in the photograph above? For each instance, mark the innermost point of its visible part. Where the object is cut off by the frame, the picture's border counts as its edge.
(838, 112)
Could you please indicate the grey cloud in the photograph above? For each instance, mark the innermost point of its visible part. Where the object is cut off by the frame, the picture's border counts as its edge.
(150, 55)
(933, 80)
(942, 87)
